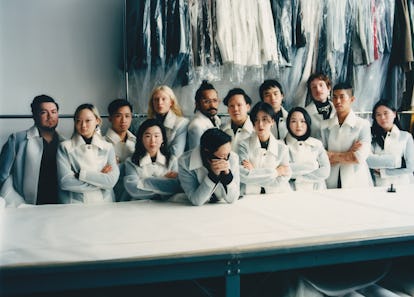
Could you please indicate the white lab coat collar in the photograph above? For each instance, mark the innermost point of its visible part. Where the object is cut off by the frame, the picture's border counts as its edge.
(114, 137)
(160, 159)
(195, 160)
(272, 148)
(170, 119)
(247, 126)
(207, 122)
(350, 120)
(293, 141)
(395, 132)
(97, 141)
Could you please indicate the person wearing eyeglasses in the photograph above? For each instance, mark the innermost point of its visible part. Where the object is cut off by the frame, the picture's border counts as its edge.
(206, 108)
(264, 159)
(210, 172)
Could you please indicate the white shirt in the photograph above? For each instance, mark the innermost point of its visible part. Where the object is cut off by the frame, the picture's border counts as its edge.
(279, 129)
(122, 149)
(397, 144)
(309, 162)
(198, 125)
(339, 138)
(265, 162)
(176, 129)
(317, 118)
(241, 134)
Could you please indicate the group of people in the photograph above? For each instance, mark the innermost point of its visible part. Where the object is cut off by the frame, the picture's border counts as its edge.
(260, 149)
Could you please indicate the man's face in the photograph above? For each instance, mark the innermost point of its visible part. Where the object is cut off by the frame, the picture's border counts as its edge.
(48, 116)
(121, 119)
(209, 102)
(238, 109)
(319, 90)
(342, 100)
(274, 97)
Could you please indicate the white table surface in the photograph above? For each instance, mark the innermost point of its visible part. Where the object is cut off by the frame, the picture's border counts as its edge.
(54, 234)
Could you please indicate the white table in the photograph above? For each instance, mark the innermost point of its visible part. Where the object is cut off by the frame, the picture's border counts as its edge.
(149, 241)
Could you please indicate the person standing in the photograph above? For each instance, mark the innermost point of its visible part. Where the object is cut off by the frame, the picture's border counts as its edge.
(271, 92)
(163, 106)
(392, 158)
(320, 108)
(28, 170)
(123, 140)
(87, 166)
(239, 127)
(206, 108)
(347, 139)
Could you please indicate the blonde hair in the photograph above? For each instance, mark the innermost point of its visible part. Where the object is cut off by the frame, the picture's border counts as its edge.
(95, 112)
(175, 107)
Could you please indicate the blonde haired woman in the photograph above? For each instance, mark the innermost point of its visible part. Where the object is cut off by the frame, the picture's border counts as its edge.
(87, 167)
(163, 106)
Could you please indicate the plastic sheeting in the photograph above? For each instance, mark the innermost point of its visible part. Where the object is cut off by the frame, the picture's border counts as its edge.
(241, 43)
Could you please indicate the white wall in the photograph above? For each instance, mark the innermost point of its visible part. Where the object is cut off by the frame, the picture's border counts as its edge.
(71, 50)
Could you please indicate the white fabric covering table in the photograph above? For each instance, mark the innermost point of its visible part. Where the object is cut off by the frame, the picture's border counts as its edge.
(150, 230)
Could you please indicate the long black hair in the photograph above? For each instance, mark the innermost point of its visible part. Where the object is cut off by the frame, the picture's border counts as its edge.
(140, 150)
(307, 120)
(377, 132)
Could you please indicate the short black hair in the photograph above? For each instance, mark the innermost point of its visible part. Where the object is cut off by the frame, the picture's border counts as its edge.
(308, 121)
(262, 106)
(35, 105)
(343, 86)
(237, 91)
(213, 138)
(205, 85)
(268, 84)
(116, 104)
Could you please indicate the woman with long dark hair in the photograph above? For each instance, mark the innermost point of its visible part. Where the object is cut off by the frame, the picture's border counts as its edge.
(392, 158)
(151, 172)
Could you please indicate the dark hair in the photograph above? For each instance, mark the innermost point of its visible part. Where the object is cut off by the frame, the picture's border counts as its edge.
(376, 130)
(320, 76)
(268, 84)
(116, 104)
(212, 139)
(35, 105)
(140, 150)
(205, 85)
(343, 86)
(261, 106)
(237, 91)
(307, 120)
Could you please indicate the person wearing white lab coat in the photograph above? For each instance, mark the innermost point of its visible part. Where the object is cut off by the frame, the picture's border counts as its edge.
(264, 159)
(347, 138)
(163, 106)
(210, 172)
(392, 158)
(87, 166)
(206, 107)
(123, 140)
(271, 92)
(239, 127)
(320, 108)
(151, 172)
(308, 159)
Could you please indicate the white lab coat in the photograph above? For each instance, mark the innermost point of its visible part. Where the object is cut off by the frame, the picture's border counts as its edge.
(197, 126)
(265, 162)
(147, 180)
(317, 118)
(280, 130)
(241, 134)
(338, 138)
(198, 186)
(92, 186)
(309, 163)
(176, 129)
(123, 150)
(397, 144)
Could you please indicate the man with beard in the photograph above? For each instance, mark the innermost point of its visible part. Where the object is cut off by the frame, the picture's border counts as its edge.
(28, 173)
(206, 107)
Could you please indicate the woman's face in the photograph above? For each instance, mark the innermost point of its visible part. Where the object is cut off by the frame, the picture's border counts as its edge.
(262, 125)
(152, 140)
(385, 117)
(161, 102)
(298, 124)
(86, 123)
